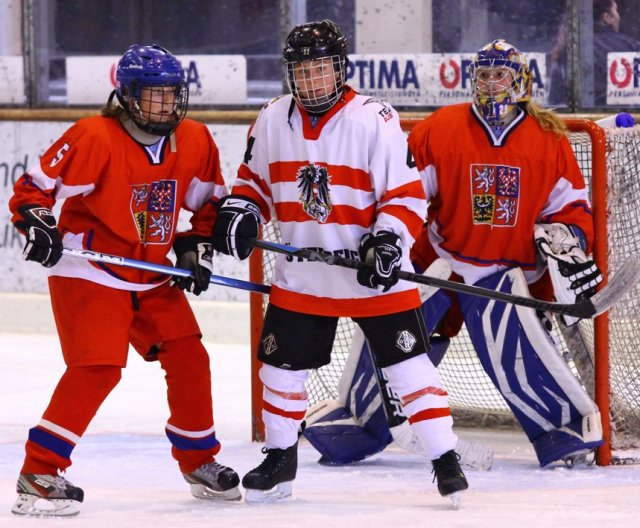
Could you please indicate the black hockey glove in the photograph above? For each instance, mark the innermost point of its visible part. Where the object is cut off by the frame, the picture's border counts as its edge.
(194, 253)
(44, 243)
(382, 253)
(236, 227)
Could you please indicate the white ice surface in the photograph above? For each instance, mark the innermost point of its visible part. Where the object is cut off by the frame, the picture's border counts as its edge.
(130, 480)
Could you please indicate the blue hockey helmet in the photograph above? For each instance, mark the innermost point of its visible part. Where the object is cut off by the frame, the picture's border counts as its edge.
(500, 79)
(152, 67)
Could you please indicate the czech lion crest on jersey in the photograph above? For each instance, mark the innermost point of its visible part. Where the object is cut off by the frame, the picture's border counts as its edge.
(153, 208)
(495, 194)
(313, 182)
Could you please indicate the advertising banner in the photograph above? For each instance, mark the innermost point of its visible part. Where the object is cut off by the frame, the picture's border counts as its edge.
(623, 78)
(213, 79)
(430, 79)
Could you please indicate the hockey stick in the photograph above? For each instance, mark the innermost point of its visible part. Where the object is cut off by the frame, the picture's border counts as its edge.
(615, 289)
(166, 270)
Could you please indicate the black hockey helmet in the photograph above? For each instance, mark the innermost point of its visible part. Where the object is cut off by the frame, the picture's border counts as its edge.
(317, 40)
(314, 40)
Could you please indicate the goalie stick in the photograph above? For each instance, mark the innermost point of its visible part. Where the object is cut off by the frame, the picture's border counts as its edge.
(611, 293)
(165, 270)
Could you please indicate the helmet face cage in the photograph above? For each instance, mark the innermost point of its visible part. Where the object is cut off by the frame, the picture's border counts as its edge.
(152, 89)
(315, 60)
(495, 98)
(317, 84)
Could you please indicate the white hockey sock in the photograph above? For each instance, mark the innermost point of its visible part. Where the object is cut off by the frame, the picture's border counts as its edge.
(284, 405)
(425, 403)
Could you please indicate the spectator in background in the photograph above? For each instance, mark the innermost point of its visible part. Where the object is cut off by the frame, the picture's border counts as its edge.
(607, 38)
(558, 91)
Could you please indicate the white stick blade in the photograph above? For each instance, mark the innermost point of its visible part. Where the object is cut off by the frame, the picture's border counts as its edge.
(621, 283)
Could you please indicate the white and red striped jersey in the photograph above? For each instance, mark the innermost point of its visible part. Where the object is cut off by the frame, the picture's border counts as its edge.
(328, 183)
(486, 194)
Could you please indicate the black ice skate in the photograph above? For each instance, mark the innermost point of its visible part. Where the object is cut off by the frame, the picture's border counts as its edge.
(451, 479)
(46, 496)
(277, 471)
(214, 481)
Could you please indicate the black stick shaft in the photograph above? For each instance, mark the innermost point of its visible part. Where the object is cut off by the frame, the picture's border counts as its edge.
(581, 310)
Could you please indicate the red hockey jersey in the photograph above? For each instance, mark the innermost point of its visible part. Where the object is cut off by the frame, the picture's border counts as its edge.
(486, 193)
(122, 197)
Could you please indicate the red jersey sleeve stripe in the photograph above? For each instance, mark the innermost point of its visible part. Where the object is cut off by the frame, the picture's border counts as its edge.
(409, 218)
(246, 174)
(250, 192)
(412, 189)
(340, 214)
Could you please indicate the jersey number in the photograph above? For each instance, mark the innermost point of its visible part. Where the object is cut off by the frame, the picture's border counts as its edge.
(247, 153)
(58, 157)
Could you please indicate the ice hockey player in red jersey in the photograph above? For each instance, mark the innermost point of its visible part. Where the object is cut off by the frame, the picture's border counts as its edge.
(507, 202)
(330, 166)
(124, 176)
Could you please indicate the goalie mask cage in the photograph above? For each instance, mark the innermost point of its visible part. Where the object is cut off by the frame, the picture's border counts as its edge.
(603, 353)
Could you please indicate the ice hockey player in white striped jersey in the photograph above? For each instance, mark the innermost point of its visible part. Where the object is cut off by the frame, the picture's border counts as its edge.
(331, 166)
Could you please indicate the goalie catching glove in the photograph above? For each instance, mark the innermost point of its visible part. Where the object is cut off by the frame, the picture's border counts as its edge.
(236, 227)
(194, 253)
(44, 243)
(383, 254)
(574, 276)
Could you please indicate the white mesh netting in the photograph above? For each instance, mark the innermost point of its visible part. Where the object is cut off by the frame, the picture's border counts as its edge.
(473, 398)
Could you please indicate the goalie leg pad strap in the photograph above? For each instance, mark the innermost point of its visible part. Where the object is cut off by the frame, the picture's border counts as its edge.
(522, 360)
(582, 435)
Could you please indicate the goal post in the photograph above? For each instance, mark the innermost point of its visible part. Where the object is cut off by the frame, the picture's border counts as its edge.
(472, 392)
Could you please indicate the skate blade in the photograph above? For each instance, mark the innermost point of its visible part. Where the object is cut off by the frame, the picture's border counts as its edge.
(280, 492)
(200, 491)
(34, 506)
(455, 499)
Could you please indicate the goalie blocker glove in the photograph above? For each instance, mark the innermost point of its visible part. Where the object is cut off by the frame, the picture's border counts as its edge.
(44, 243)
(382, 253)
(574, 276)
(236, 226)
(194, 253)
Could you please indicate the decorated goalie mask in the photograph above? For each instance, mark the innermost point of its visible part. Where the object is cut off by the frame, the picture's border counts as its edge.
(315, 60)
(152, 78)
(500, 79)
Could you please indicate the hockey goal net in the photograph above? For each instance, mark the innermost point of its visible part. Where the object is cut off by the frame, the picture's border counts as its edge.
(604, 353)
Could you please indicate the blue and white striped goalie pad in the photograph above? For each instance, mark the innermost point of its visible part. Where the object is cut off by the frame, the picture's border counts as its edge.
(355, 426)
(523, 362)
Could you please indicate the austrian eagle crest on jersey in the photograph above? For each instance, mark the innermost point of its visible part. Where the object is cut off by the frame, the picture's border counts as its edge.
(153, 207)
(495, 194)
(313, 182)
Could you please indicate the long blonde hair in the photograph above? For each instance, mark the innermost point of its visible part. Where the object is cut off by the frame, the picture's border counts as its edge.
(547, 118)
